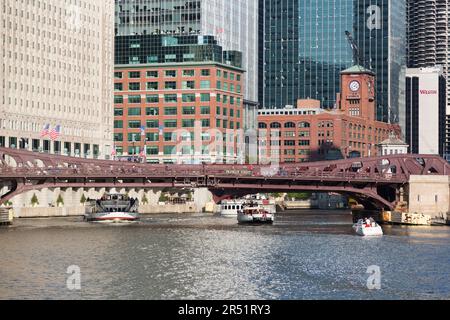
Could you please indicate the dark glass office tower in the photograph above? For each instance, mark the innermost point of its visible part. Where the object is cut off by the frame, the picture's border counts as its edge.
(305, 49)
(380, 31)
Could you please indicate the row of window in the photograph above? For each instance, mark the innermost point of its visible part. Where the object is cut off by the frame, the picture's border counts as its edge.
(185, 123)
(173, 85)
(173, 98)
(173, 111)
(173, 74)
(288, 125)
(170, 150)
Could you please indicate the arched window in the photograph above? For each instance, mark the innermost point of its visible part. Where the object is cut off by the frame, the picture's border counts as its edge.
(289, 125)
(262, 125)
(304, 125)
(275, 125)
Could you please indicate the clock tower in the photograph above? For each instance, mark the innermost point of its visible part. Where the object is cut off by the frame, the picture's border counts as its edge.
(357, 97)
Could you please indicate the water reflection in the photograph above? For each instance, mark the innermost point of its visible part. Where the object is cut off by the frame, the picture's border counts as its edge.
(312, 255)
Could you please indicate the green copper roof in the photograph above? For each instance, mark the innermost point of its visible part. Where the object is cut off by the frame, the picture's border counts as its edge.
(358, 69)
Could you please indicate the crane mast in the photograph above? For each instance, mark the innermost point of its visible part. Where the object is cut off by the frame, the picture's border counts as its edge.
(356, 54)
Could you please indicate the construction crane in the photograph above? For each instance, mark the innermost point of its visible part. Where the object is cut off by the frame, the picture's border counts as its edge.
(356, 53)
(359, 60)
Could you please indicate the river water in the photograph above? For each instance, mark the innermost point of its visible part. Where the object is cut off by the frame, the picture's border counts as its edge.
(305, 255)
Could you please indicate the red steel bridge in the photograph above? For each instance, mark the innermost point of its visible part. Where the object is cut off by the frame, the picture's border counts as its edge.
(374, 182)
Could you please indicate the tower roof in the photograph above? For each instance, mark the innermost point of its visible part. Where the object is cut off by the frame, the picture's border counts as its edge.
(357, 69)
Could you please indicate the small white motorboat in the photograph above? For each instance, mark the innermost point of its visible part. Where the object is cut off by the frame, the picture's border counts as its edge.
(368, 228)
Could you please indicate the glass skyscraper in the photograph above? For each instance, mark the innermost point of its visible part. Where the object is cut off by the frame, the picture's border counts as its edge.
(234, 23)
(380, 31)
(305, 49)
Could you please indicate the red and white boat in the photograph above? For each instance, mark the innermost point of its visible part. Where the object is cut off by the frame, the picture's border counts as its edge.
(368, 228)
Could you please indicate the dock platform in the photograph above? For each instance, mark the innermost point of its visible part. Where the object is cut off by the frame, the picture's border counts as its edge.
(6, 217)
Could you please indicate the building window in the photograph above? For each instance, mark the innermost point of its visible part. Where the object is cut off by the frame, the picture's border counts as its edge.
(118, 86)
(188, 73)
(171, 73)
(152, 98)
(152, 124)
(170, 85)
(188, 85)
(188, 111)
(275, 125)
(304, 143)
(304, 125)
(134, 112)
(206, 123)
(152, 74)
(205, 84)
(152, 111)
(205, 97)
(118, 112)
(152, 137)
(170, 123)
(188, 97)
(152, 151)
(188, 123)
(118, 124)
(172, 111)
(134, 75)
(168, 150)
(134, 124)
(170, 98)
(206, 73)
(118, 99)
(118, 75)
(205, 110)
(152, 86)
(134, 137)
(134, 99)
(134, 86)
(118, 137)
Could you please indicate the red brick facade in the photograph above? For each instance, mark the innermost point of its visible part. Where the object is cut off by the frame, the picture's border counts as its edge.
(167, 99)
(309, 133)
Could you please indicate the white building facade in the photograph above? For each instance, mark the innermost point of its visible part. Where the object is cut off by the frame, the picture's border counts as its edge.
(56, 70)
(425, 111)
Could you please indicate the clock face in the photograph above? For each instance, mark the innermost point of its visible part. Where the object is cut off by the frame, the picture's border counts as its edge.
(354, 86)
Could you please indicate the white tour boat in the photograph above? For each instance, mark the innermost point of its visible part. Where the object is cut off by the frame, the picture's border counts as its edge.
(252, 212)
(368, 228)
(231, 208)
(112, 208)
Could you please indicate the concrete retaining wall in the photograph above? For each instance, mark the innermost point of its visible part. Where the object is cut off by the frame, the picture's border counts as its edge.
(429, 195)
(168, 208)
(49, 212)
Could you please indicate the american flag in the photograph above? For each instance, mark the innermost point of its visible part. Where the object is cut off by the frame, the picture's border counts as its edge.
(114, 152)
(45, 130)
(142, 154)
(55, 133)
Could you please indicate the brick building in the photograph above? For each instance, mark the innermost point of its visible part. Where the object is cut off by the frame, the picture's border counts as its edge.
(309, 133)
(177, 106)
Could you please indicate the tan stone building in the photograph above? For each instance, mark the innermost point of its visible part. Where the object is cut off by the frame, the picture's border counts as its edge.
(56, 69)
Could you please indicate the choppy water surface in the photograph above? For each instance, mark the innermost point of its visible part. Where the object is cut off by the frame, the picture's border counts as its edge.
(307, 255)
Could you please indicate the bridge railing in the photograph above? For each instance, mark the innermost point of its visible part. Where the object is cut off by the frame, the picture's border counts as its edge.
(197, 171)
